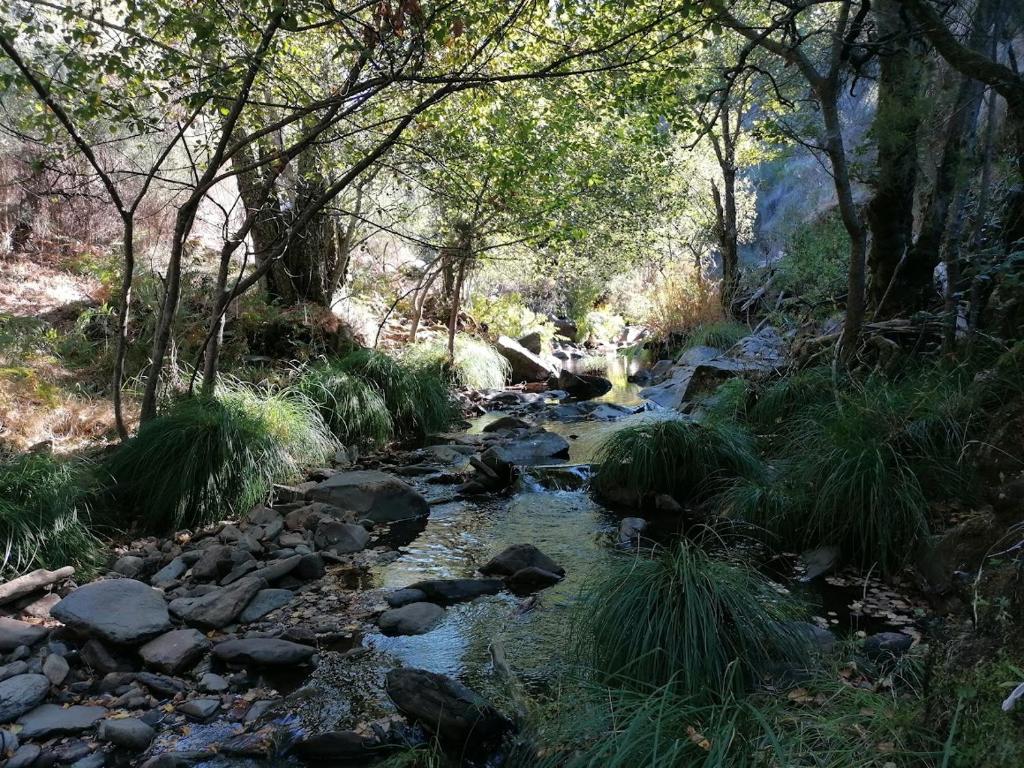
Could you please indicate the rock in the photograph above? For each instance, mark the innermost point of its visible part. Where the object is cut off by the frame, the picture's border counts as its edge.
(961, 548)
(287, 494)
(372, 495)
(265, 601)
(334, 747)
(171, 572)
(122, 611)
(263, 652)
(819, 562)
(454, 713)
(310, 567)
(531, 342)
(49, 720)
(220, 607)
(630, 530)
(41, 605)
(401, 597)
(503, 423)
(14, 633)
(56, 668)
(280, 569)
(821, 640)
(526, 366)
(517, 557)
(14, 668)
(215, 562)
(211, 683)
(175, 652)
(162, 686)
(531, 579)
(127, 733)
(340, 538)
(199, 710)
(31, 582)
(129, 566)
(21, 693)
(411, 619)
(526, 449)
(100, 658)
(583, 386)
(92, 760)
(25, 756)
(448, 591)
(887, 645)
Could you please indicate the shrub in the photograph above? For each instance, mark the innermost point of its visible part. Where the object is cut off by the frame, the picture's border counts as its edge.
(44, 519)
(477, 364)
(208, 458)
(508, 315)
(683, 617)
(682, 458)
(352, 407)
(777, 404)
(815, 260)
(601, 326)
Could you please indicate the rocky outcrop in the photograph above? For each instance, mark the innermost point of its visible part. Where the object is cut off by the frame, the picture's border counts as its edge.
(526, 366)
(372, 495)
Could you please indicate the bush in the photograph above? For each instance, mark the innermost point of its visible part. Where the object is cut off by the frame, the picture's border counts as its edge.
(684, 618)
(352, 407)
(508, 315)
(44, 518)
(815, 260)
(209, 458)
(477, 364)
(682, 458)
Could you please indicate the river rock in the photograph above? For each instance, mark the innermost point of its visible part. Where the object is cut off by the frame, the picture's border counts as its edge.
(21, 693)
(163, 686)
(265, 601)
(121, 611)
(411, 619)
(503, 423)
(454, 713)
(401, 597)
(102, 659)
(14, 633)
(630, 530)
(884, 645)
(372, 495)
(526, 449)
(448, 591)
(526, 366)
(200, 710)
(531, 579)
(176, 651)
(49, 720)
(262, 651)
(130, 566)
(310, 567)
(347, 747)
(340, 538)
(531, 342)
(278, 570)
(220, 607)
(583, 386)
(33, 581)
(171, 572)
(56, 668)
(517, 557)
(128, 733)
(216, 561)
(24, 757)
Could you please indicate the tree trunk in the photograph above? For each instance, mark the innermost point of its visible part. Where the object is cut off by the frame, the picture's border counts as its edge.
(28, 207)
(123, 313)
(268, 228)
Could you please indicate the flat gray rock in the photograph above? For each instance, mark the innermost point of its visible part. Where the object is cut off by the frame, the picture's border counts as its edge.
(25, 756)
(372, 495)
(14, 633)
(263, 652)
(53, 720)
(220, 607)
(446, 591)
(121, 611)
(265, 601)
(176, 651)
(340, 538)
(411, 619)
(127, 733)
(200, 710)
(171, 572)
(21, 693)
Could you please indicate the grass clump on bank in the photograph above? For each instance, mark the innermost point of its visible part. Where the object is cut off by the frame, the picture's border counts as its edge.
(476, 364)
(44, 518)
(352, 407)
(720, 335)
(209, 458)
(683, 458)
(686, 618)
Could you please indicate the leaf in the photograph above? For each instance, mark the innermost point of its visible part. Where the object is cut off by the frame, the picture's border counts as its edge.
(698, 738)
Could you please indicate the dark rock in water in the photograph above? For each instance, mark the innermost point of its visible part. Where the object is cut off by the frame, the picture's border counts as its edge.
(518, 557)
(630, 530)
(401, 597)
(49, 720)
(341, 538)
(526, 449)
(526, 365)
(176, 651)
(531, 579)
(819, 639)
(448, 591)
(411, 619)
(507, 422)
(887, 645)
(819, 561)
(531, 342)
(262, 651)
(220, 607)
(265, 601)
(128, 733)
(200, 710)
(372, 495)
(121, 611)
(583, 386)
(454, 713)
(14, 633)
(21, 693)
(340, 746)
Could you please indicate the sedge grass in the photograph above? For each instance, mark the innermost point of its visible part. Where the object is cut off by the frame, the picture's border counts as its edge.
(352, 407)
(476, 364)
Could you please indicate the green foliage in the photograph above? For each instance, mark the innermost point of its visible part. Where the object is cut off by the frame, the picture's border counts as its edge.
(814, 264)
(682, 458)
(720, 335)
(352, 407)
(477, 364)
(778, 402)
(210, 458)
(601, 326)
(683, 617)
(508, 315)
(416, 396)
(44, 518)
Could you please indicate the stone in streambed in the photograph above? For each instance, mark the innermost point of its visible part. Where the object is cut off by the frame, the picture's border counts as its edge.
(447, 591)
(176, 651)
(526, 366)
(128, 733)
(121, 611)
(49, 720)
(265, 601)
(401, 597)
(200, 710)
(14, 633)
(220, 607)
(21, 693)
(170, 573)
(518, 557)
(887, 645)
(411, 619)
(347, 747)
(373, 495)
(262, 652)
(56, 668)
(340, 538)
(531, 579)
(26, 755)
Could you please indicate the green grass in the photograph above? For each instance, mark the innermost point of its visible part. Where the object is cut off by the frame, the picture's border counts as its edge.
(720, 335)
(686, 618)
(352, 407)
(778, 402)
(477, 364)
(207, 459)
(44, 517)
(683, 458)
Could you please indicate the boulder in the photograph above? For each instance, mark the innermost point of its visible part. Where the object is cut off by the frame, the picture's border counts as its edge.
(49, 720)
(372, 495)
(531, 448)
(333, 747)
(220, 607)
(454, 713)
(14, 633)
(411, 619)
(401, 597)
(503, 423)
(263, 651)
(33, 581)
(127, 733)
(531, 579)
(531, 342)
(583, 386)
(448, 591)
(176, 651)
(526, 366)
(517, 557)
(120, 611)
(265, 601)
(340, 538)
(21, 693)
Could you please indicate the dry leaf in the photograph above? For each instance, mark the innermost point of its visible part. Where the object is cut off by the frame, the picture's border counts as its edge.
(698, 738)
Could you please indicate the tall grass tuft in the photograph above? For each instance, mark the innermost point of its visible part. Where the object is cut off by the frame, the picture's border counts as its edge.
(44, 518)
(416, 396)
(352, 407)
(776, 404)
(209, 458)
(686, 618)
(720, 335)
(477, 364)
(685, 459)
